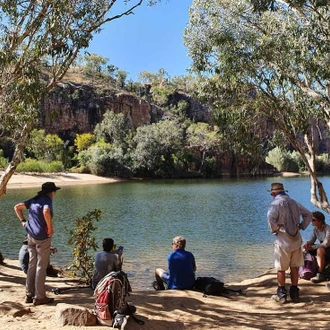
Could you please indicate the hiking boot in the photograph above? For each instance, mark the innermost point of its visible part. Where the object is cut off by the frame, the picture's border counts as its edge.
(280, 297)
(43, 301)
(156, 286)
(294, 293)
(319, 277)
(28, 300)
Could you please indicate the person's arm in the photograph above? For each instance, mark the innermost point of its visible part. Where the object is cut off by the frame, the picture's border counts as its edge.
(306, 215)
(272, 217)
(19, 212)
(48, 218)
(195, 267)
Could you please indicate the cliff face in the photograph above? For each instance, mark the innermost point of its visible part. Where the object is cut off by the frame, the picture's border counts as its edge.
(72, 109)
(75, 108)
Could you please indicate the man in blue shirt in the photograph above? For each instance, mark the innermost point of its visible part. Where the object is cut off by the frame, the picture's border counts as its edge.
(181, 266)
(39, 228)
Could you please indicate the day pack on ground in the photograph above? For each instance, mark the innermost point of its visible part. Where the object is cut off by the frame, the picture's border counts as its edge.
(111, 307)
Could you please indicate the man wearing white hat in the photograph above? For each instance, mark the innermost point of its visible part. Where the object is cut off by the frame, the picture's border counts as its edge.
(284, 222)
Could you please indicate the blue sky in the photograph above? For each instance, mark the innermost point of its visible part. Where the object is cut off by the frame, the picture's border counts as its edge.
(147, 41)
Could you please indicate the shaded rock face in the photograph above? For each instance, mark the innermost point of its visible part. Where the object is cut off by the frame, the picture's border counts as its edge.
(196, 110)
(70, 109)
(75, 108)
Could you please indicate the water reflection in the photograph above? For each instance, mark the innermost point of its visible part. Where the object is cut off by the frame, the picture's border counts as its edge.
(224, 222)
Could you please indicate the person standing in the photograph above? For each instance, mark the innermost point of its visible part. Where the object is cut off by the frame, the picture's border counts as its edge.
(181, 268)
(284, 222)
(39, 228)
(321, 232)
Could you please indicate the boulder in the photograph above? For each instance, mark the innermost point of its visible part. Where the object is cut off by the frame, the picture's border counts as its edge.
(67, 314)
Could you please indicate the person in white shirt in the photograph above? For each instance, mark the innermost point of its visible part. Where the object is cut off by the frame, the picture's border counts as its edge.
(321, 232)
(106, 261)
(284, 222)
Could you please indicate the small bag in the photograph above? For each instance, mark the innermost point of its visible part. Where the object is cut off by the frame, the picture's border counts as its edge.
(309, 269)
(210, 286)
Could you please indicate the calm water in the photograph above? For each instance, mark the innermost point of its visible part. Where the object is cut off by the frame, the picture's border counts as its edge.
(224, 222)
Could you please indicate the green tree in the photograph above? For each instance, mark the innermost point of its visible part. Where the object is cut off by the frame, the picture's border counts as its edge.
(45, 146)
(113, 129)
(39, 42)
(84, 141)
(95, 66)
(160, 87)
(202, 138)
(273, 63)
(154, 146)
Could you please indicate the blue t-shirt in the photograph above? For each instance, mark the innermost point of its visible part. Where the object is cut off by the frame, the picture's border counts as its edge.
(36, 227)
(181, 265)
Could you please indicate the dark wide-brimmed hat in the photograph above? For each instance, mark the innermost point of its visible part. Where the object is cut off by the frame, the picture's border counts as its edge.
(277, 187)
(48, 187)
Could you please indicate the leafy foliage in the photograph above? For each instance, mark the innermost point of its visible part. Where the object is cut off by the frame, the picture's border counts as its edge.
(39, 42)
(83, 242)
(3, 160)
(154, 146)
(267, 63)
(84, 141)
(40, 166)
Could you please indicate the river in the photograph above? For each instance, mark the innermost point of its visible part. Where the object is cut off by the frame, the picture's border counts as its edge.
(223, 220)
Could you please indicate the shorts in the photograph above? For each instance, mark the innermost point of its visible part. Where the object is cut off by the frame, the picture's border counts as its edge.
(165, 277)
(286, 259)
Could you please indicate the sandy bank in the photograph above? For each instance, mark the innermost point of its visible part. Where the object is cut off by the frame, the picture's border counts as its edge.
(177, 310)
(61, 179)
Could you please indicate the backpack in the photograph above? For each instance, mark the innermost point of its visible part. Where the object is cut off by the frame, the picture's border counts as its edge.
(210, 286)
(309, 269)
(111, 293)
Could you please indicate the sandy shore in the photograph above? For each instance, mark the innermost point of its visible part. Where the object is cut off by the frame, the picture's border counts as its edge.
(173, 309)
(164, 310)
(61, 179)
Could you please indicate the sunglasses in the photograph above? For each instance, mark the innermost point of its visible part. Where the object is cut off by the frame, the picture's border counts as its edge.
(315, 220)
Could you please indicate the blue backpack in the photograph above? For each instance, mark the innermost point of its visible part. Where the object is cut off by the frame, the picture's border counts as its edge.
(309, 269)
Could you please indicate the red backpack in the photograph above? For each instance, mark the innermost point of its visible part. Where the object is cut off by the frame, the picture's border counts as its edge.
(111, 293)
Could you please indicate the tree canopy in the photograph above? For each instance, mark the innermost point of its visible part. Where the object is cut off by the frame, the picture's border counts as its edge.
(270, 59)
(39, 41)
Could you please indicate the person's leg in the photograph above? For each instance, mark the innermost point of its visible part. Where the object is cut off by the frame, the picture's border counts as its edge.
(31, 272)
(43, 253)
(297, 260)
(282, 261)
(281, 277)
(320, 257)
(159, 274)
(23, 257)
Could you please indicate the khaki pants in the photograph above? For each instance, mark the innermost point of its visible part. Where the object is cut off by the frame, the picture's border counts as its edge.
(39, 252)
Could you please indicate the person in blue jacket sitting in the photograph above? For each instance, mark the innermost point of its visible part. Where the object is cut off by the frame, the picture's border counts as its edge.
(181, 268)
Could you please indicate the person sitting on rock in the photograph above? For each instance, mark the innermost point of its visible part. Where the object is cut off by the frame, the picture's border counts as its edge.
(321, 232)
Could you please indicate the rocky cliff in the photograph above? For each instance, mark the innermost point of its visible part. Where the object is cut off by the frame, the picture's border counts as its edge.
(73, 108)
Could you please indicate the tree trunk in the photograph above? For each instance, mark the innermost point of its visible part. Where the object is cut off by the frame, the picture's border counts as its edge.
(10, 170)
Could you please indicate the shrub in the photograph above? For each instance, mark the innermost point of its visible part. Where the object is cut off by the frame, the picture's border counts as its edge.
(83, 242)
(3, 161)
(322, 163)
(40, 166)
(282, 160)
